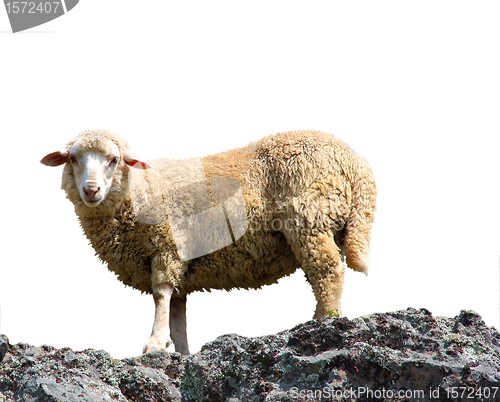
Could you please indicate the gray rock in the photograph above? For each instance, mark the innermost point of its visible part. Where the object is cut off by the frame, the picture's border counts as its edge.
(369, 358)
(4, 346)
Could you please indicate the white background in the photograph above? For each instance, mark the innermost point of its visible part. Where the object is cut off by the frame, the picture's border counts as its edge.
(414, 87)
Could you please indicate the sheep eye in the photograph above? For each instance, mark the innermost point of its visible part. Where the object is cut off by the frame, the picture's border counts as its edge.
(72, 159)
(113, 161)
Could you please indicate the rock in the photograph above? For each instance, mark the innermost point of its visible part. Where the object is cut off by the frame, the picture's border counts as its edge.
(404, 355)
(4, 346)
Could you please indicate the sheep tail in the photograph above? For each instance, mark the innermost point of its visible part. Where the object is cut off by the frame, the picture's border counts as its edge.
(357, 234)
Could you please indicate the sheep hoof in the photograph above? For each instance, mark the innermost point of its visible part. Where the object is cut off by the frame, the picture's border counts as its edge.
(155, 345)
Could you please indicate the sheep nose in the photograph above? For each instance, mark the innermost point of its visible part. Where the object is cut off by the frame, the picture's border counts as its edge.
(91, 191)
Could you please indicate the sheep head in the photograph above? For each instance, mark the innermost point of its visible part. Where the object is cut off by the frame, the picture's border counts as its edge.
(95, 165)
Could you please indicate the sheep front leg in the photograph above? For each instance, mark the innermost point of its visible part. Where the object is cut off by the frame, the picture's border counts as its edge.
(159, 339)
(178, 324)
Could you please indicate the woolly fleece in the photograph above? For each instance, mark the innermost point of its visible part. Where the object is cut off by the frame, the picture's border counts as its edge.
(309, 199)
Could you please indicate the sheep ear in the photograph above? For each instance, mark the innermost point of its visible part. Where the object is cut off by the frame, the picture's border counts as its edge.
(56, 158)
(135, 162)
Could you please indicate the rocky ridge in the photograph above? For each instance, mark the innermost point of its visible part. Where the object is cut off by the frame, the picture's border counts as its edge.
(406, 355)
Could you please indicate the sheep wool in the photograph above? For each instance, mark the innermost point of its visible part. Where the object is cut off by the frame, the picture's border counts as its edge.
(308, 202)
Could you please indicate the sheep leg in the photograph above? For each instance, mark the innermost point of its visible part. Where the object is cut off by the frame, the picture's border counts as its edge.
(159, 339)
(178, 324)
(321, 262)
(325, 272)
(326, 275)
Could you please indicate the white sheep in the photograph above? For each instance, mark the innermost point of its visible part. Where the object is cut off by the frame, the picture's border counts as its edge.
(307, 200)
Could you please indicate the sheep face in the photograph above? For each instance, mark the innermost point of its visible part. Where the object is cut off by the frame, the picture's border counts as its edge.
(93, 171)
(94, 158)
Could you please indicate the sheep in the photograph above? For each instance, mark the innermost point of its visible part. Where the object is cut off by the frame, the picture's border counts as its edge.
(308, 202)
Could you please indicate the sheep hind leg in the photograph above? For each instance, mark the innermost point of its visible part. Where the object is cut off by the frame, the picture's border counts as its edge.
(178, 325)
(321, 262)
(159, 339)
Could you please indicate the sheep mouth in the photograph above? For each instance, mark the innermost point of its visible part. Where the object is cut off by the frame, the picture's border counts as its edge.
(92, 202)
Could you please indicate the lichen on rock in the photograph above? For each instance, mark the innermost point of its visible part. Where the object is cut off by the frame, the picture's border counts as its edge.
(397, 351)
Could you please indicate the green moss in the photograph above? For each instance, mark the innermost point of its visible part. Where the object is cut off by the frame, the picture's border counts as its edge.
(455, 338)
(333, 313)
